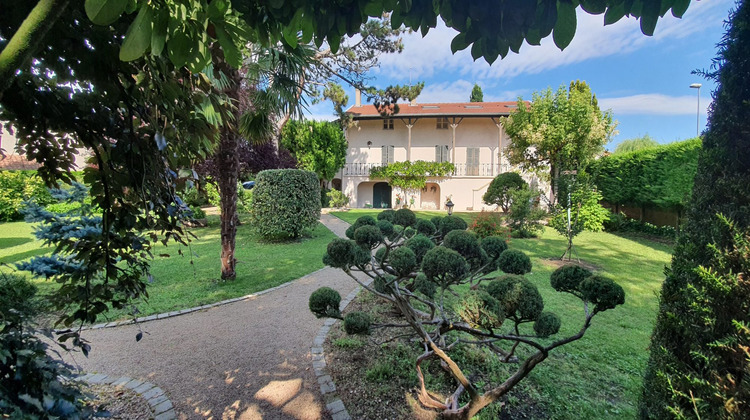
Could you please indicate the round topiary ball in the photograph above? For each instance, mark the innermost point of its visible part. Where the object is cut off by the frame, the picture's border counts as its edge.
(420, 244)
(547, 324)
(513, 261)
(568, 278)
(480, 310)
(436, 221)
(397, 232)
(361, 221)
(357, 323)
(350, 232)
(403, 260)
(380, 284)
(451, 223)
(340, 253)
(362, 256)
(409, 232)
(386, 215)
(368, 236)
(404, 217)
(386, 227)
(463, 242)
(424, 286)
(602, 292)
(519, 297)
(425, 227)
(494, 246)
(444, 266)
(324, 302)
(380, 254)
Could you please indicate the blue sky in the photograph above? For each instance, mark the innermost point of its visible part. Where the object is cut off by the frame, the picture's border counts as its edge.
(643, 80)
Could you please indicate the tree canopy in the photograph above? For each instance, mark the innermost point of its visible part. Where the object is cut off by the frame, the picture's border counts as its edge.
(476, 94)
(558, 131)
(318, 146)
(638, 143)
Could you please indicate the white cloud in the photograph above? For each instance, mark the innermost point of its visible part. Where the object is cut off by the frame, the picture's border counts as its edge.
(654, 104)
(460, 91)
(431, 55)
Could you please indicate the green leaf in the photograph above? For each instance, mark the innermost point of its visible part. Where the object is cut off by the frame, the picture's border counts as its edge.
(594, 7)
(138, 37)
(459, 43)
(178, 46)
(104, 12)
(334, 41)
(290, 35)
(232, 53)
(679, 7)
(533, 37)
(217, 9)
(374, 8)
(614, 14)
(649, 17)
(159, 34)
(565, 28)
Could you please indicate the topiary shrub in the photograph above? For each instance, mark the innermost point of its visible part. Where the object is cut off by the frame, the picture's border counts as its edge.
(285, 202)
(451, 223)
(513, 261)
(403, 261)
(444, 266)
(385, 227)
(386, 215)
(361, 221)
(340, 253)
(325, 302)
(357, 323)
(368, 236)
(436, 221)
(518, 296)
(568, 278)
(488, 223)
(425, 227)
(404, 217)
(420, 244)
(500, 189)
(547, 324)
(466, 244)
(602, 292)
(494, 246)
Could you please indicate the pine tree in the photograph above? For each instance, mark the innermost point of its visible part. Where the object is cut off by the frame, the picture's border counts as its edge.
(699, 366)
(476, 94)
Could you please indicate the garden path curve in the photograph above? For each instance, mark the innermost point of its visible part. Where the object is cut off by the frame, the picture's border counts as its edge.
(244, 360)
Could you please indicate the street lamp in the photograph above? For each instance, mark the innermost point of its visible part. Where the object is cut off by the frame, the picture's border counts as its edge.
(698, 113)
(449, 205)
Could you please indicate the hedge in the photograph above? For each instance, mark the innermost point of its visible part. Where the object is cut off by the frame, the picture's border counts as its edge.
(659, 177)
(18, 186)
(285, 202)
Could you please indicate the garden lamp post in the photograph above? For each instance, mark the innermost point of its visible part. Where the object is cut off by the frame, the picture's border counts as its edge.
(698, 112)
(449, 205)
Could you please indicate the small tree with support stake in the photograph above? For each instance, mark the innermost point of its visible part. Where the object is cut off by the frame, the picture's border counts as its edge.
(441, 283)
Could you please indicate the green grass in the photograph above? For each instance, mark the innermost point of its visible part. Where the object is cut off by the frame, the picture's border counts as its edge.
(351, 216)
(598, 376)
(193, 279)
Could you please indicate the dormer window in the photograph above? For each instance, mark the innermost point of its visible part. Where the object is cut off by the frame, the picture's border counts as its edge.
(443, 123)
(388, 124)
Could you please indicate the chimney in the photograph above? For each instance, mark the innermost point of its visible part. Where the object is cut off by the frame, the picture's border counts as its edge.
(413, 102)
(357, 97)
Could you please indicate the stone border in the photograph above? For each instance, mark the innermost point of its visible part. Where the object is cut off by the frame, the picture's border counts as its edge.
(334, 405)
(189, 310)
(161, 406)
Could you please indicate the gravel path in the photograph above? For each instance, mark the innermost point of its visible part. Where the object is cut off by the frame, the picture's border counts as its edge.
(245, 360)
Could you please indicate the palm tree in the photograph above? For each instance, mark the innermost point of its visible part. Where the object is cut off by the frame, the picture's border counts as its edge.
(265, 88)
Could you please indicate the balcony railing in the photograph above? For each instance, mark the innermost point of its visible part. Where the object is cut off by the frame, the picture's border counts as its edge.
(485, 170)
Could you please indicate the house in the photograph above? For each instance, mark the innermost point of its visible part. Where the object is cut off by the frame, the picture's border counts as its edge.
(12, 160)
(470, 135)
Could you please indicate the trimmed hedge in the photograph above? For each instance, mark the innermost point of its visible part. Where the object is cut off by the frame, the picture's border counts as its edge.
(285, 202)
(660, 177)
(17, 187)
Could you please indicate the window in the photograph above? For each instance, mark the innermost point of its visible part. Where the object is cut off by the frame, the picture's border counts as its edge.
(387, 152)
(388, 124)
(441, 153)
(472, 161)
(443, 123)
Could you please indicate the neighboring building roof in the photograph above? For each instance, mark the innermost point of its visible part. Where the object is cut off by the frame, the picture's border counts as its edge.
(456, 109)
(17, 163)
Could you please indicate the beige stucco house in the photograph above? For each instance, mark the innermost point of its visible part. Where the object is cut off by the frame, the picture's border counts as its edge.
(470, 135)
(13, 159)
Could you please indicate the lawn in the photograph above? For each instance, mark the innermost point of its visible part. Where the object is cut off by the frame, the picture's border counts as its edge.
(193, 279)
(598, 376)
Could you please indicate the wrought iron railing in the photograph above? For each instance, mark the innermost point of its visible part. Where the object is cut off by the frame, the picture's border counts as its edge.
(462, 169)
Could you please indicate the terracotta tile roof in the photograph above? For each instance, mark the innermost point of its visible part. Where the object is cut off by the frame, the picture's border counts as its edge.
(462, 109)
(16, 163)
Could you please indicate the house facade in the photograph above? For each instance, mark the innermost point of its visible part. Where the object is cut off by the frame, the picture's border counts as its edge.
(469, 135)
(13, 160)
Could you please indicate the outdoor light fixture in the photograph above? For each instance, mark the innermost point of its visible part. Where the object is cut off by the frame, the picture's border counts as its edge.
(449, 205)
(698, 112)
(369, 143)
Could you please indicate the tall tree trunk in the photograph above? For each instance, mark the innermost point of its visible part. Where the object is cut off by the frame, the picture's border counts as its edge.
(228, 162)
(28, 38)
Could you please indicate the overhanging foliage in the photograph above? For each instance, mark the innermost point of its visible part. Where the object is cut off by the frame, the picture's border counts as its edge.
(411, 175)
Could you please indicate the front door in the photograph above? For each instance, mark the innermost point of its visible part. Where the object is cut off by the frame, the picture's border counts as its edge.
(381, 195)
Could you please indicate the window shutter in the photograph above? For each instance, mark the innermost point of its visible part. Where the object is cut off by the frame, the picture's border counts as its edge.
(391, 150)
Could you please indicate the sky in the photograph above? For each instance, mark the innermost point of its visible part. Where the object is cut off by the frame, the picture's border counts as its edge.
(645, 81)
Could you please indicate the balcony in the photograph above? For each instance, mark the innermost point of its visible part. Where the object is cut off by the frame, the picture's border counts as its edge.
(482, 170)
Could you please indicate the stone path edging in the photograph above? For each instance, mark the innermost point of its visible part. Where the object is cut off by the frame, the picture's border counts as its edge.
(189, 310)
(160, 404)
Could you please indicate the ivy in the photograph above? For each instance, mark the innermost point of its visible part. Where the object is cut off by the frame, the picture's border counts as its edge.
(411, 175)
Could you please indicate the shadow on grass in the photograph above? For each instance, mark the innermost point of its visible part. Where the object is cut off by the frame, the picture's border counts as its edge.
(11, 242)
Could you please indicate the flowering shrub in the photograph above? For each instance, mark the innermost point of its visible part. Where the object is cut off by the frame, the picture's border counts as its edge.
(489, 223)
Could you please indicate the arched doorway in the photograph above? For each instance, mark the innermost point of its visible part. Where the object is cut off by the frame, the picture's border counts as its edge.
(430, 197)
(381, 195)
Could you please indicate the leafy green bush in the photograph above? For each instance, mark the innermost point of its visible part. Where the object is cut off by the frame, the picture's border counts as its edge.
(425, 227)
(585, 213)
(568, 278)
(404, 217)
(285, 202)
(618, 222)
(17, 187)
(513, 261)
(387, 215)
(500, 189)
(357, 323)
(518, 296)
(325, 200)
(197, 212)
(337, 199)
(524, 218)
(194, 197)
(451, 223)
(488, 223)
(32, 383)
(325, 302)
